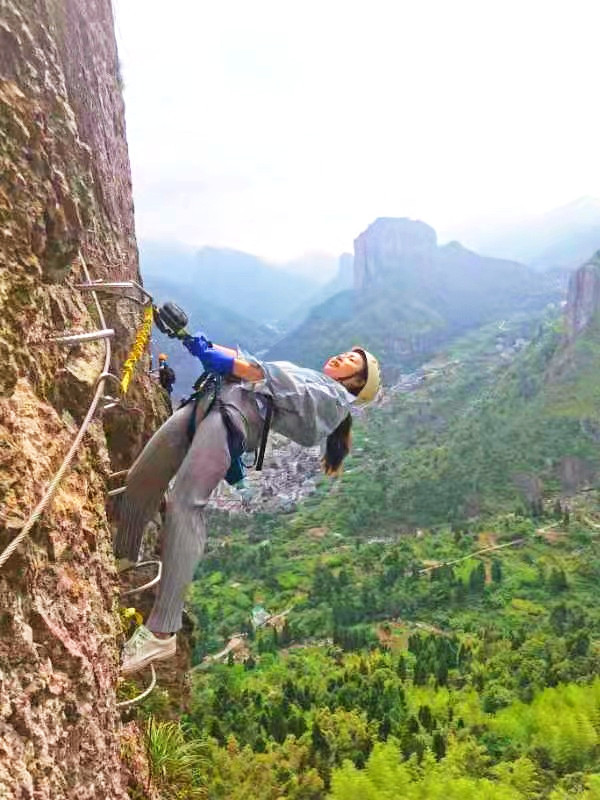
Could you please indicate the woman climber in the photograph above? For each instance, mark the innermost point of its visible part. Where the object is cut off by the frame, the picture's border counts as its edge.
(201, 443)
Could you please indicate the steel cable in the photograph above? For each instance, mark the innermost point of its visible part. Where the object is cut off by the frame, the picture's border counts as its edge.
(50, 491)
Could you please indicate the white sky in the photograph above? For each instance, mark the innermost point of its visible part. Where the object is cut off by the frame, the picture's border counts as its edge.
(284, 126)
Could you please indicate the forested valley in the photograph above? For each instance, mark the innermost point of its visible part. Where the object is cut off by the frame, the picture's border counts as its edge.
(424, 626)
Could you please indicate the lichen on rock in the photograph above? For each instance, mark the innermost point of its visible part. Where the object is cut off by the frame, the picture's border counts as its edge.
(65, 196)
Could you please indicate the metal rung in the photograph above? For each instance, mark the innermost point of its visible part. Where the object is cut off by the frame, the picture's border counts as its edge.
(147, 585)
(118, 474)
(141, 696)
(72, 338)
(115, 492)
(116, 287)
(104, 376)
(110, 402)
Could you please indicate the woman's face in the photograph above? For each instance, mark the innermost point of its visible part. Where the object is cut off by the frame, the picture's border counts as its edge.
(347, 368)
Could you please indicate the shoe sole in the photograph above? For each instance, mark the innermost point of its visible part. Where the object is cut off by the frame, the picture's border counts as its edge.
(148, 660)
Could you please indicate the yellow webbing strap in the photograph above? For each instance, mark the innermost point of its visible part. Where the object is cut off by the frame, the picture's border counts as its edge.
(140, 343)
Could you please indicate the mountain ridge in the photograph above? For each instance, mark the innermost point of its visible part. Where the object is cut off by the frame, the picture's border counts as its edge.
(410, 295)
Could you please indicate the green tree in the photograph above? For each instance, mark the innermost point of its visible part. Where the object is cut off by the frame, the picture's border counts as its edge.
(438, 745)
(401, 668)
(557, 582)
(477, 578)
(426, 718)
(496, 571)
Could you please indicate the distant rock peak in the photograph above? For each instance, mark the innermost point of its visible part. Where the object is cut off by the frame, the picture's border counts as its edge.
(411, 230)
(583, 299)
(389, 241)
(454, 245)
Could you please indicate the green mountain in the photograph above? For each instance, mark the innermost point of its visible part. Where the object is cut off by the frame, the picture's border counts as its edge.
(411, 296)
(501, 417)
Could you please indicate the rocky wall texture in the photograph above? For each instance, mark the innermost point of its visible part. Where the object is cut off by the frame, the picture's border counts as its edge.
(65, 189)
(391, 244)
(583, 299)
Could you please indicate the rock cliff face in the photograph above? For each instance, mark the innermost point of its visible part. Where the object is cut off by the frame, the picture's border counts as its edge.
(583, 299)
(389, 244)
(65, 189)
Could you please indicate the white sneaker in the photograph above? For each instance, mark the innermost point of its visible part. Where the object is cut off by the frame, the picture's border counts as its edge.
(144, 647)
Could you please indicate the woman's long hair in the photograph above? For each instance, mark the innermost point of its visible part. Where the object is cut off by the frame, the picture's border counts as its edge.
(337, 447)
(339, 441)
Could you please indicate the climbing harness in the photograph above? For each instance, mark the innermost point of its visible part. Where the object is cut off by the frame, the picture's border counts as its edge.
(207, 383)
(172, 320)
(210, 383)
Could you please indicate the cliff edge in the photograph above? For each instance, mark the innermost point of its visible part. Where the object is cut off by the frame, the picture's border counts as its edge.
(583, 299)
(65, 197)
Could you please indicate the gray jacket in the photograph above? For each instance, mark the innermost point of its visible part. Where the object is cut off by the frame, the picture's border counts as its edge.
(307, 405)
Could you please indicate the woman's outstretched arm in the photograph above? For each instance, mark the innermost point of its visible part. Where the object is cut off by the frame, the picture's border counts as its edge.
(221, 359)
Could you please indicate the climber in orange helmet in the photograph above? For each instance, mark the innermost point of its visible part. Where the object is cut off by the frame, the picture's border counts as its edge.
(202, 443)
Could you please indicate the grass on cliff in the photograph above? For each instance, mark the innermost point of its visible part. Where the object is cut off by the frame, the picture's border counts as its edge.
(176, 763)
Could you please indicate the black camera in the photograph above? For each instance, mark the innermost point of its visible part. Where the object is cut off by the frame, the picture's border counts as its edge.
(171, 319)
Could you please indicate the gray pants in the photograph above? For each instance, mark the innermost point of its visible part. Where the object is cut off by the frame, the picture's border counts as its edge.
(199, 467)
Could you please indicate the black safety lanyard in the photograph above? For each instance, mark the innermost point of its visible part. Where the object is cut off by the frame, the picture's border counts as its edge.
(265, 434)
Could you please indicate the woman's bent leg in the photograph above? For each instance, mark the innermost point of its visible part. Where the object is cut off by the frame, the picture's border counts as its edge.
(184, 532)
(148, 479)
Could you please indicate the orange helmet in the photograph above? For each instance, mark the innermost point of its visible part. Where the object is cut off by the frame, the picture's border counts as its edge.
(162, 357)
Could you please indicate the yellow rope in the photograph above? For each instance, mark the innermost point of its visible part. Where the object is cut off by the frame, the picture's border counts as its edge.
(141, 340)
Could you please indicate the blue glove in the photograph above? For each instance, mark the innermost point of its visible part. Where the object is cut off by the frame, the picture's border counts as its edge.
(196, 344)
(213, 358)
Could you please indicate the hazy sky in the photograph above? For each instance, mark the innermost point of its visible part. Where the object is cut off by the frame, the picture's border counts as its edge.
(283, 126)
